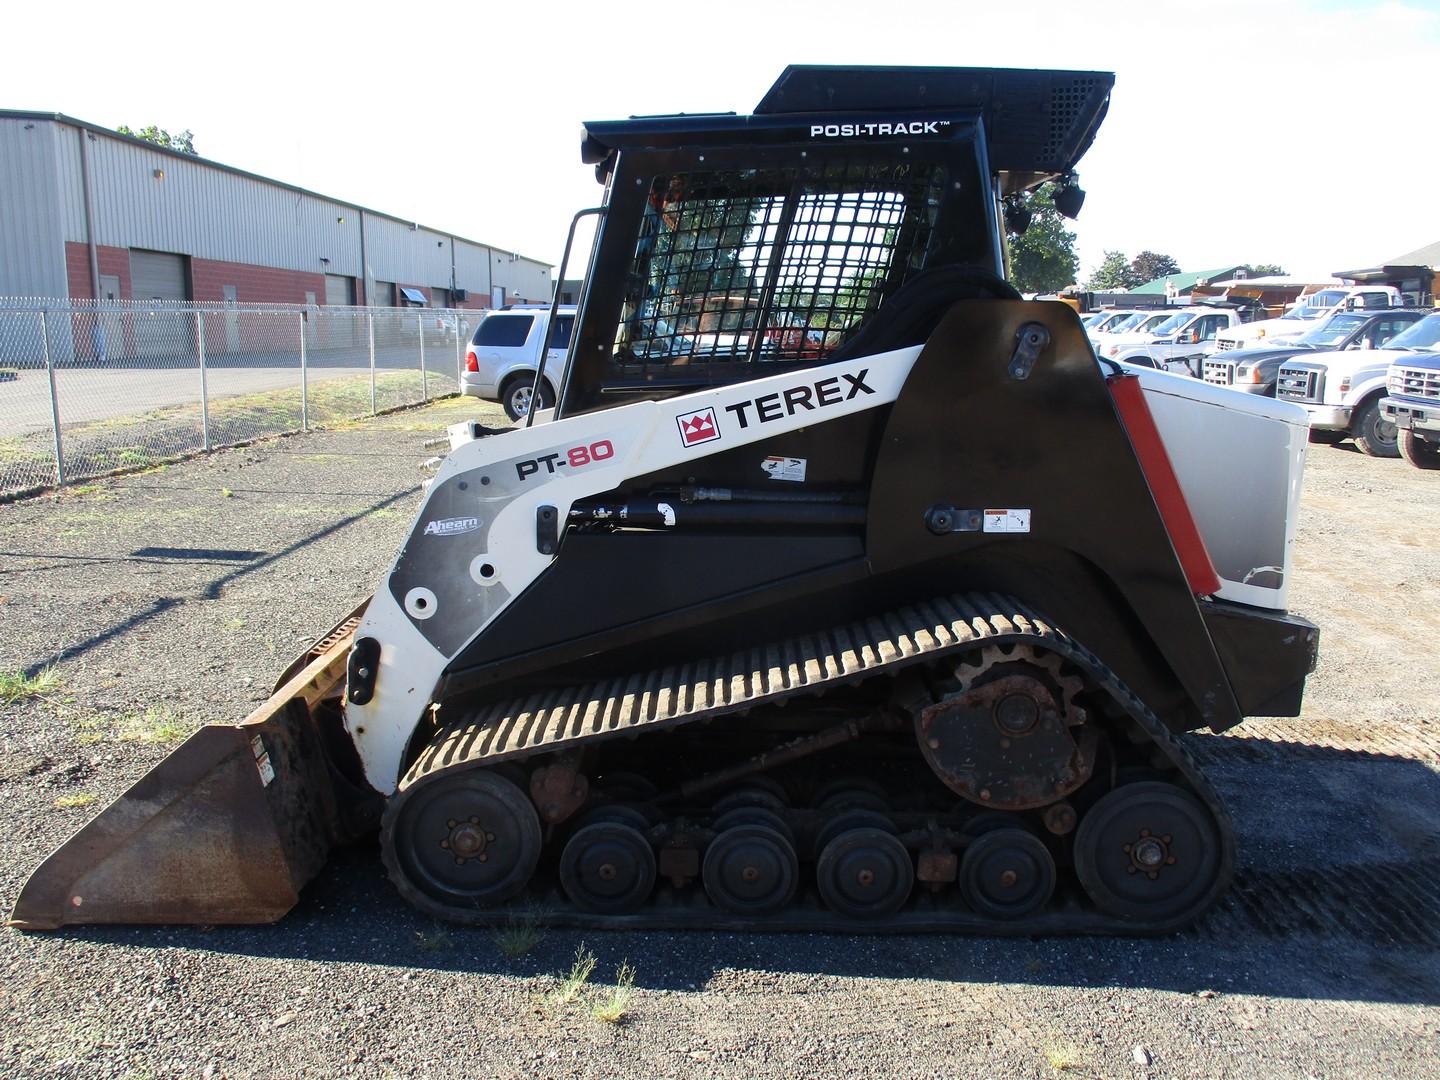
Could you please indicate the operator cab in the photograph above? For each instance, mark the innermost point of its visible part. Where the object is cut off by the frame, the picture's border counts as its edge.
(736, 246)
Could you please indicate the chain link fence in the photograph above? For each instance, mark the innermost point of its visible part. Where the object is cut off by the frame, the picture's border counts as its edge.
(87, 389)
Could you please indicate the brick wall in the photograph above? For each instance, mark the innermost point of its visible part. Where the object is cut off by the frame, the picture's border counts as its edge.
(253, 284)
(113, 261)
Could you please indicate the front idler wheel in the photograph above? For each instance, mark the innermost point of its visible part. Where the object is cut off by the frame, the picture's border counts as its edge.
(1148, 851)
(750, 870)
(865, 873)
(1007, 873)
(469, 840)
(608, 868)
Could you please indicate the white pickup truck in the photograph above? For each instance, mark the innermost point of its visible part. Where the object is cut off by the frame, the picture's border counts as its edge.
(1179, 343)
(1302, 316)
(1342, 391)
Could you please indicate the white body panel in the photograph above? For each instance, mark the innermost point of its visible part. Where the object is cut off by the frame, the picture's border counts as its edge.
(646, 437)
(1239, 460)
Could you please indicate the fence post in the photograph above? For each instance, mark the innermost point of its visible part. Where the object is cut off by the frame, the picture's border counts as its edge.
(304, 377)
(54, 400)
(204, 389)
(459, 354)
(370, 317)
(424, 383)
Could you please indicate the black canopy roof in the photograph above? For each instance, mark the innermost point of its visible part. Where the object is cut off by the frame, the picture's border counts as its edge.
(1038, 123)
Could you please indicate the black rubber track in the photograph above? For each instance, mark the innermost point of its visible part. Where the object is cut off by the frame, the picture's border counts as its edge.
(946, 627)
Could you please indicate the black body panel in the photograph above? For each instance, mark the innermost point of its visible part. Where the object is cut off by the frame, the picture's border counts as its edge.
(1267, 655)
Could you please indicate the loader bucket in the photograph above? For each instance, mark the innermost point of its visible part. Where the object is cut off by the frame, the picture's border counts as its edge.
(226, 829)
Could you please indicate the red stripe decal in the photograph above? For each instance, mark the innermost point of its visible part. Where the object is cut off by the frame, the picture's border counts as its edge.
(1160, 474)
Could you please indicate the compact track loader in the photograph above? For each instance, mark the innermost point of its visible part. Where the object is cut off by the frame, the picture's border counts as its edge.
(840, 589)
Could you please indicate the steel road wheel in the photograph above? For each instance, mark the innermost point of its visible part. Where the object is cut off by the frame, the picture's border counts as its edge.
(846, 820)
(851, 793)
(754, 815)
(865, 873)
(1147, 851)
(1007, 873)
(750, 870)
(608, 868)
(467, 840)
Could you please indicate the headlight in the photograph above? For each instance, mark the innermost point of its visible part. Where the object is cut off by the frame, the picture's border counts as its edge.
(1113, 350)
(1253, 375)
(1345, 384)
(1260, 332)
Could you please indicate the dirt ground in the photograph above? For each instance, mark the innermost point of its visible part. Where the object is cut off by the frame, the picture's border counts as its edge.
(167, 599)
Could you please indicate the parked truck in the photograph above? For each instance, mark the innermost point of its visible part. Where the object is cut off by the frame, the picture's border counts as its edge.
(1412, 386)
(1343, 391)
(1303, 315)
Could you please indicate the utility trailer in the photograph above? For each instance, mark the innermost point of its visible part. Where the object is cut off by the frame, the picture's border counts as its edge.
(892, 619)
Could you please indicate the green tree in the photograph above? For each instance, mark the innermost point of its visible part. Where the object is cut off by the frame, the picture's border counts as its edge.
(1149, 265)
(1043, 259)
(184, 141)
(1264, 269)
(1113, 273)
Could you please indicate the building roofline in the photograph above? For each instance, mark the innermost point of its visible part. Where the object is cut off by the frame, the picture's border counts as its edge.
(85, 125)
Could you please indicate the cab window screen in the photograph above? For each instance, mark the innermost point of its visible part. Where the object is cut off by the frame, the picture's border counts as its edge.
(503, 331)
(771, 264)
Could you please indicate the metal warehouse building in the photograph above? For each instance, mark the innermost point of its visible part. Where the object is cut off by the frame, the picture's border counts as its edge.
(86, 212)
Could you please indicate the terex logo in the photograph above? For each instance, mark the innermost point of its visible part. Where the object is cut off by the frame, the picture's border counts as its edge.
(787, 402)
(451, 526)
(698, 427)
(855, 131)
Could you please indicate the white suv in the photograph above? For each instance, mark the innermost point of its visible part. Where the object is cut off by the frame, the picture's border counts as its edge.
(503, 355)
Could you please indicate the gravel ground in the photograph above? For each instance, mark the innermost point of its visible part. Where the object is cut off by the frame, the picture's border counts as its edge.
(1324, 962)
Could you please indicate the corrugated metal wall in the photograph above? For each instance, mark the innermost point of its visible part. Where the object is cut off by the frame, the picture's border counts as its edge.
(148, 199)
(32, 255)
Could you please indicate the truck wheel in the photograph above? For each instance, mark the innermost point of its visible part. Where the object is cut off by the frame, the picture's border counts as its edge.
(1374, 435)
(515, 396)
(1327, 436)
(1418, 452)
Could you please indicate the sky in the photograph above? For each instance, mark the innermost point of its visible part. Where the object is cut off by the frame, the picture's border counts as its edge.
(1240, 131)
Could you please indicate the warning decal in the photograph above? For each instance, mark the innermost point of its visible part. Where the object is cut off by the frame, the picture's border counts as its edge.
(784, 468)
(1007, 521)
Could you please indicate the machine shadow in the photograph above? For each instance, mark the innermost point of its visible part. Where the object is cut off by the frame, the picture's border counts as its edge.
(1347, 908)
(253, 561)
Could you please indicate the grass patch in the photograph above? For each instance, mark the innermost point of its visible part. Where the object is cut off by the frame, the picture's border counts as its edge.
(17, 686)
(146, 439)
(521, 933)
(235, 624)
(157, 724)
(226, 493)
(433, 941)
(614, 1007)
(573, 983)
(74, 802)
(1064, 1057)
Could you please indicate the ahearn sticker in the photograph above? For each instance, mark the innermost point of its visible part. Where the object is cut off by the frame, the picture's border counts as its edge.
(451, 526)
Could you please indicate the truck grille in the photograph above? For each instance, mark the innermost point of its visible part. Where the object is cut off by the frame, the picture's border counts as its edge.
(1414, 382)
(1225, 345)
(1300, 383)
(1219, 372)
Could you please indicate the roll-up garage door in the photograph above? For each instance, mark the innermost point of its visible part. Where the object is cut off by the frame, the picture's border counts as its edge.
(339, 291)
(156, 275)
(168, 337)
